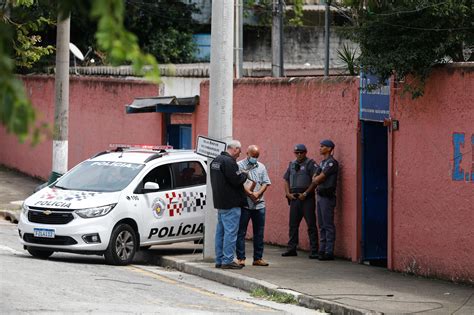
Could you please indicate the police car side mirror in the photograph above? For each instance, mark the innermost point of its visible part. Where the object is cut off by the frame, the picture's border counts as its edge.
(150, 187)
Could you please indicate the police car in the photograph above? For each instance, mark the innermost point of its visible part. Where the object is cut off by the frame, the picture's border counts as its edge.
(117, 202)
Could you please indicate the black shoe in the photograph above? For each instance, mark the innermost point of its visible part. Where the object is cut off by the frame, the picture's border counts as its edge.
(313, 255)
(218, 265)
(326, 257)
(232, 265)
(290, 253)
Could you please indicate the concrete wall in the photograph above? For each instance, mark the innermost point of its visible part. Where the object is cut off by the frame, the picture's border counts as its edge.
(180, 86)
(278, 113)
(301, 45)
(96, 119)
(433, 177)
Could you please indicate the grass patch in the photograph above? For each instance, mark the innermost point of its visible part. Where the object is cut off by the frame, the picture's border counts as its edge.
(278, 297)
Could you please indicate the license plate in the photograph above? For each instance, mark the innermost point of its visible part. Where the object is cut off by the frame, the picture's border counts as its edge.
(48, 233)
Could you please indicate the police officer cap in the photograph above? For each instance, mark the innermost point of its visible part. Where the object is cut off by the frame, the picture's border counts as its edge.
(300, 148)
(328, 143)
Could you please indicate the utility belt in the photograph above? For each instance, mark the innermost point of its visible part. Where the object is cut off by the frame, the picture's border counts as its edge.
(297, 190)
(326, 192)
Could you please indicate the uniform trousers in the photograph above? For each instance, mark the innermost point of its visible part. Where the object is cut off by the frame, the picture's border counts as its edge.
(327, 229)
(298, 210)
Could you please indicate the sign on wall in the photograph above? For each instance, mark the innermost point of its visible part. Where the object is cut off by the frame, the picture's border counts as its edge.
(209, 147)
(374, 99)
(461, 173)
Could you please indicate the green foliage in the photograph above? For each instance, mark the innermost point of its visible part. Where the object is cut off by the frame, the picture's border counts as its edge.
(275, 296)
(16, 111)
(298, 11)
(408, 37)
(164, 28)
(263, 10)
(348, 56)
(26, 45)
(120, 44)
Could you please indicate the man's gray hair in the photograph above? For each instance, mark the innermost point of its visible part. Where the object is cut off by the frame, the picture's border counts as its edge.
(234, 144)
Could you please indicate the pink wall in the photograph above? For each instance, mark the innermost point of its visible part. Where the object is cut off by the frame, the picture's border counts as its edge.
(431, 161)
(96, 119)
(433, 214)
(278, 113)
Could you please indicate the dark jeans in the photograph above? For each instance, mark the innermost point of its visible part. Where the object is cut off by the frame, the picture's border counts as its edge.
(298, 210)
(258, 222)
(327, 230)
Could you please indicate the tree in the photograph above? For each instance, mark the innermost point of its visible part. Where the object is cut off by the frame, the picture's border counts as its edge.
(164, 28)
(120, 45)
(263, 10)
(406, 38)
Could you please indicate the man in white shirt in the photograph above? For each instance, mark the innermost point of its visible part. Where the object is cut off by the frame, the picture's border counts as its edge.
(257, 183)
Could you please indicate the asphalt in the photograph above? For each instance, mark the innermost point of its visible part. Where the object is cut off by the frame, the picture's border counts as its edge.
(338, 287)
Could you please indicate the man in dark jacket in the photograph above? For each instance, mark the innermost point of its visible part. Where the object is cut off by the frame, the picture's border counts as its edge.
(229, 196)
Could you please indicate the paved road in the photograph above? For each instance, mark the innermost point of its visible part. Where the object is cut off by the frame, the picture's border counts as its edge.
(68, 283)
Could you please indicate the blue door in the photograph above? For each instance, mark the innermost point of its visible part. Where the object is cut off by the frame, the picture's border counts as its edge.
(179, 136)
(374, 191)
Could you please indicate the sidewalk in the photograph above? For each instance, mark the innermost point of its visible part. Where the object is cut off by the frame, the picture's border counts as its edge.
(338, 287)
(14, 188)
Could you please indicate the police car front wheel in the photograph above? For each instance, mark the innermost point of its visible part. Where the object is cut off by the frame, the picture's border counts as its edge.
(122, 245)
(39, 253)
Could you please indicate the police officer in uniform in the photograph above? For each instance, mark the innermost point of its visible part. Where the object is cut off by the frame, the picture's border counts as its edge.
(326, 181)
(300, 194)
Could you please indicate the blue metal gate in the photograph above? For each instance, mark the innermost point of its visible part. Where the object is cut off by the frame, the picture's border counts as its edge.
(179, 136)
(374, 190)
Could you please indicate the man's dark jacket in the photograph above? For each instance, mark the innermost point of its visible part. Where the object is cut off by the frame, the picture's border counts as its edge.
(227, 182)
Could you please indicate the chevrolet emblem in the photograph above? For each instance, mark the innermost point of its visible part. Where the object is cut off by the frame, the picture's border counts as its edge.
(47, 212)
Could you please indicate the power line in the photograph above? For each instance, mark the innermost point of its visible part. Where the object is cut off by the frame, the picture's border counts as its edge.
(429, 29)
(410, 11)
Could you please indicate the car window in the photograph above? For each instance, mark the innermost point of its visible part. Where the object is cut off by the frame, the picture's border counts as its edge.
(189, 173)
(101, 176)
(160, 175)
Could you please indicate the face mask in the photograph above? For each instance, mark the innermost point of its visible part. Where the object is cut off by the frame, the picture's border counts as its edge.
(252, 160)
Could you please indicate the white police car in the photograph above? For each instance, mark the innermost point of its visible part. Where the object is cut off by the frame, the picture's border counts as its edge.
(117, 202)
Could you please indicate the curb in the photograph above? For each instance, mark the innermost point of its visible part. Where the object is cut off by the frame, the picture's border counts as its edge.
(249, 284)
(10, 215)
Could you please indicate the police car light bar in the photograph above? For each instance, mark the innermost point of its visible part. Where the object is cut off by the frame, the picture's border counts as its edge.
(140, 146)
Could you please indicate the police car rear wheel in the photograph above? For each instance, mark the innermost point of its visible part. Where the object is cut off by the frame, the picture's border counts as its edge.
(39, 253)
(122, 246)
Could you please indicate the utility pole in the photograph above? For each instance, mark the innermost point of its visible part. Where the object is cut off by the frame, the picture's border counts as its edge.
(327, 23)
(238, 38)
(220, 101)
(61, 109)
(277, 39)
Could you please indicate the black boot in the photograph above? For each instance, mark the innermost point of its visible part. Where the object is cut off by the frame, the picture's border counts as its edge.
(326, 256)
(290, 252)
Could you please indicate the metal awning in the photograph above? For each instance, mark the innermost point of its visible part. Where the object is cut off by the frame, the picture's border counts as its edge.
(163, 104)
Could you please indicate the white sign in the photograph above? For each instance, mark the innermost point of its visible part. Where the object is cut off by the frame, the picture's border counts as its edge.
(209, 147)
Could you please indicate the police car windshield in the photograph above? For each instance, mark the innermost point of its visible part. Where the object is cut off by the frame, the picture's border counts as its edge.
(100, 176)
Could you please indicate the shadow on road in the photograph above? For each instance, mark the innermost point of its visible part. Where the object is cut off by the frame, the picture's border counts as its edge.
(150, 256)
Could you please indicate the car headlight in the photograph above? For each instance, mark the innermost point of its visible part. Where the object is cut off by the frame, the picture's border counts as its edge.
(24, 209)
(94, 212)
